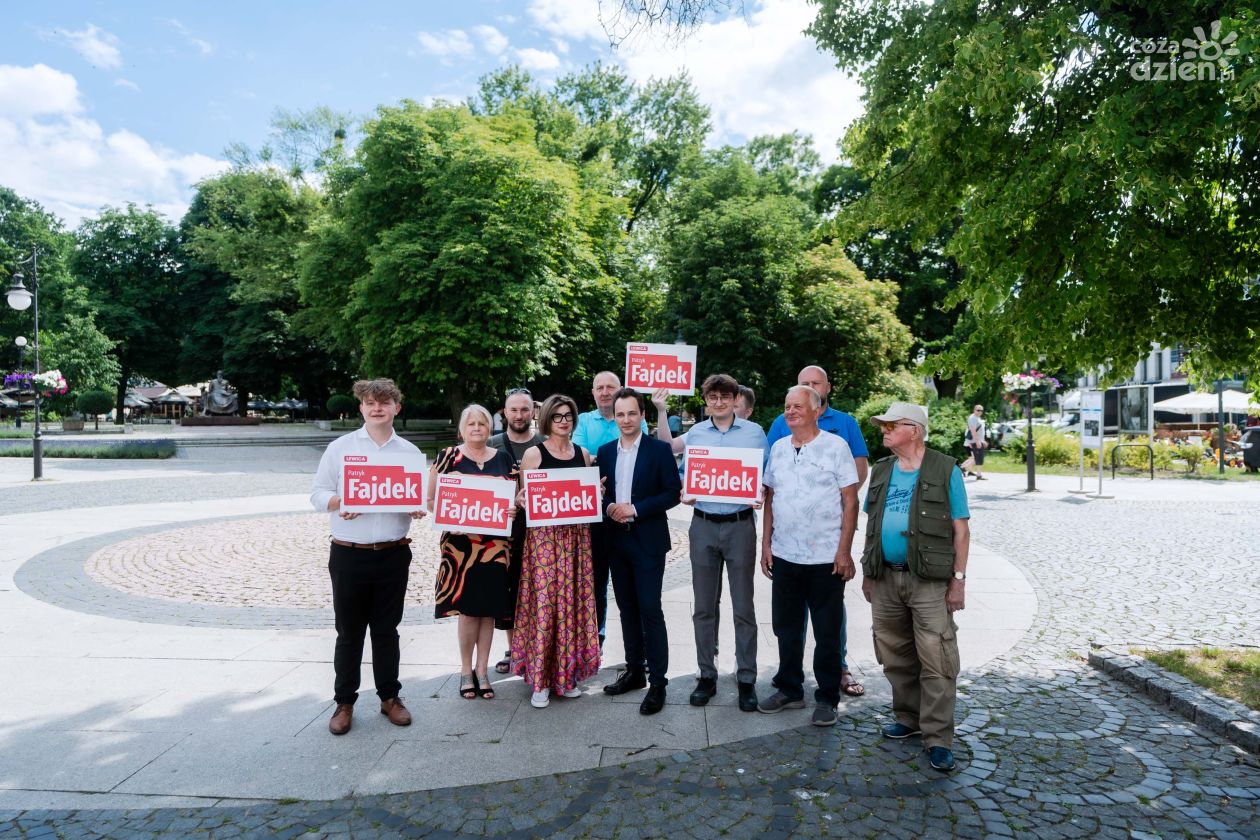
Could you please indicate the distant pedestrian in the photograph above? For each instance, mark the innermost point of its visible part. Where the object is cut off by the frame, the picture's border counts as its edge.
(976, 442)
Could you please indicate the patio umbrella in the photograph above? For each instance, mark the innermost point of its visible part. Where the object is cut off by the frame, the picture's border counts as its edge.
(259, 404)
(6, 402)
(174, 398)
(1206, 402)
(133, 400)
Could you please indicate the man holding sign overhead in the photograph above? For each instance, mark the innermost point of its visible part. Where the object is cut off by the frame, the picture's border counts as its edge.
(371, 469)
(724, 489)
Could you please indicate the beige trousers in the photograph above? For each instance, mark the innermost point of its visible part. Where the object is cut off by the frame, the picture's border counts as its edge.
(916, 641)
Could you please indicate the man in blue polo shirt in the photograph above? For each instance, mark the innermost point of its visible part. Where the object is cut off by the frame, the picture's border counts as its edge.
(594, 429)
(838, 423)
(723, 534)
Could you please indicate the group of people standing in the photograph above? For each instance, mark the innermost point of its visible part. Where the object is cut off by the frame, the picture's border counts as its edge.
(547, 586)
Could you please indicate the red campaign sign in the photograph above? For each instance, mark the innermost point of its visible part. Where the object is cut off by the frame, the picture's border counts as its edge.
(473, 504)
(653, 366)
(393, 483)
(723, 474)
(562, 496)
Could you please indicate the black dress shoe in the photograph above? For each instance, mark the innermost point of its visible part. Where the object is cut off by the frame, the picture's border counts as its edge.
(706, 687)
(654, 702)
(628, 680)
(747, 697)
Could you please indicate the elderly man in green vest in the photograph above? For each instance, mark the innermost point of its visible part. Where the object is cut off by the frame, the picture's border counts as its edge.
(914, 569)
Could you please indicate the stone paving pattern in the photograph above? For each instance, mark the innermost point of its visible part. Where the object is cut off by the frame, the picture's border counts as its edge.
(1047, 746)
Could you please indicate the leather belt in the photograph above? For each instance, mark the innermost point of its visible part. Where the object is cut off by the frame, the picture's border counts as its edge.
(898, 567)
(380, 546)
(724, 517)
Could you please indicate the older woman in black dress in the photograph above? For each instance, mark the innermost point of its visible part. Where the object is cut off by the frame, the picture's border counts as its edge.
(472, 578)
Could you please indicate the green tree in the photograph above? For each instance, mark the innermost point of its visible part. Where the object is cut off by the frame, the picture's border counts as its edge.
(95, 402)
(83, 354)
(24, 226)
(1097, 211)
(125, 259)
(450, 252)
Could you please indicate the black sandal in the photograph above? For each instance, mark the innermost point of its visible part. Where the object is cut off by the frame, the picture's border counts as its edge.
(468, 686)
(505, 664)
(487, 690)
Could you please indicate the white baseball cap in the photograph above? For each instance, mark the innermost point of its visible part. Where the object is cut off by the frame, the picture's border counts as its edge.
(904, 411)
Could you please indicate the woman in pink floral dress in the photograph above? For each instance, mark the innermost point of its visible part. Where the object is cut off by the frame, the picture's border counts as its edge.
(555, 643)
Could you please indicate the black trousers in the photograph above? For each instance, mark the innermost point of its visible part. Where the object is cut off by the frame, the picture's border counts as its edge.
(368, 589)
(637, 578)
(599, 567)
(800, 592)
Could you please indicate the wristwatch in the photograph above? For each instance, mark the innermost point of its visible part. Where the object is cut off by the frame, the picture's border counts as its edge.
(959, 575)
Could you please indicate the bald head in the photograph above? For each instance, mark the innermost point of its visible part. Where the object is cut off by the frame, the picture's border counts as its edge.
(815, 377)
(604, 389)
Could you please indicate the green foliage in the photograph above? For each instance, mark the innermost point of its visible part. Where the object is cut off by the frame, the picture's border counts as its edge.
(1193, 454)
(1096, 212)
(340, 405)
(95, 403)
(24, 227)
(83, 354)
(947, 419)
(1053, 448)
(453, 253)
(126, 260)
(130, 449)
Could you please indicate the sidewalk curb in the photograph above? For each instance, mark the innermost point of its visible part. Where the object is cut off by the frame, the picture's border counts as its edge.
(1217, 714)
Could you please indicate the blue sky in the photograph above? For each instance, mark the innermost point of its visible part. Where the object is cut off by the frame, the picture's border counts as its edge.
(105, 103)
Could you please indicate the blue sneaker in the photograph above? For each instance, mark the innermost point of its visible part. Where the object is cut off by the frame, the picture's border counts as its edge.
(941, 759)
(899, 731)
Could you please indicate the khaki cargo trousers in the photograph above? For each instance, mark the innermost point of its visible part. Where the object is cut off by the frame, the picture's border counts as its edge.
(916, 641)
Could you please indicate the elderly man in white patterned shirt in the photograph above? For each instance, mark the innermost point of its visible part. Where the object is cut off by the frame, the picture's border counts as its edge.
(811, 510)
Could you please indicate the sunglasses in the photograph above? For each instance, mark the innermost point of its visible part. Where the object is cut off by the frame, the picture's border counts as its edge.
(888, 427)
(516, 391)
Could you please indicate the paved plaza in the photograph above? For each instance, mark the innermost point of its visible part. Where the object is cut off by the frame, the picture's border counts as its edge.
(165, 643)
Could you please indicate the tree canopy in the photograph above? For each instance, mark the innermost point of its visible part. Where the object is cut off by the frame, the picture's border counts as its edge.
(1096, 211)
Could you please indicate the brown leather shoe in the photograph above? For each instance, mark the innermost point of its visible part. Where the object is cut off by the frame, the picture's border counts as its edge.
(339, 724)
(397, 713)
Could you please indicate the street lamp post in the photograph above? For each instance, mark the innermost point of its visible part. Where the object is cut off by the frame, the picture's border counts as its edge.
(21, 299)
(20, 341)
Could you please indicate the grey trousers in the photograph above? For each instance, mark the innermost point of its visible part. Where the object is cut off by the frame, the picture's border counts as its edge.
(732, 545)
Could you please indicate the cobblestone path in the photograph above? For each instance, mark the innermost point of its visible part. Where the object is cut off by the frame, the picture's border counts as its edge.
(1047, 747)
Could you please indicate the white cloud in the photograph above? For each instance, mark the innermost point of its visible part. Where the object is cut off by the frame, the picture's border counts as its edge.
(126, 83)
(204, 47)
(532, 59)
(68, 163)
(759, 74)
(29, 91)
(97, 46)
(450, 43)
(492, 40)
(576, 20)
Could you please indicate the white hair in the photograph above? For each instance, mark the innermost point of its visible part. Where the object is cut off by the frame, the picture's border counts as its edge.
(469, 411)
(814, 399)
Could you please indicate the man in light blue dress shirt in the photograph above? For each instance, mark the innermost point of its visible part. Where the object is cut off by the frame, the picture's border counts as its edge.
(723, 535)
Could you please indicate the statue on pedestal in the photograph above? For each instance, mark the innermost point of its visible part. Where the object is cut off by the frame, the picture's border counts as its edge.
(218, 397)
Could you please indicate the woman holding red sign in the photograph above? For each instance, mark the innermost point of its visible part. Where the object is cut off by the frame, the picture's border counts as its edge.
(555, 643)
(472, 576)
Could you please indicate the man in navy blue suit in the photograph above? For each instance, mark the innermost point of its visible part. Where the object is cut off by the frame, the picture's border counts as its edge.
(640, 484)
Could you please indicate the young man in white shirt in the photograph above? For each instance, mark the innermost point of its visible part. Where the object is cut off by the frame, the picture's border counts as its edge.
(368, 561)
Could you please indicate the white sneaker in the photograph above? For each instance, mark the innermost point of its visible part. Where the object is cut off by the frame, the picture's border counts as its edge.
(540, 699)
(572, 693)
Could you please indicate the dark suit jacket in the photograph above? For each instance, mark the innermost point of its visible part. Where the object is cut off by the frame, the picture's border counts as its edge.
(654, 489)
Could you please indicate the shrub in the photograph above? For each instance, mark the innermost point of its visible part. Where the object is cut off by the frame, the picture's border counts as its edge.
(95, 403)
(339, 405)
(947, 423)
(1193, 454)
(1053, 448)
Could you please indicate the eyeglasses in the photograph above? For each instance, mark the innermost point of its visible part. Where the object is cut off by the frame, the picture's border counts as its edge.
(562, 417)
(516, 391)
(888, 427)
(717, 396)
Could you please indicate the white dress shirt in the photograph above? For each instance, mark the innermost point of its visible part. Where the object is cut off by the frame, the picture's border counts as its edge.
(367, 527)
(626, 457)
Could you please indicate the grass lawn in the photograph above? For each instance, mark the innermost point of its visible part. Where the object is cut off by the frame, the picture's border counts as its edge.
(1229, 673)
